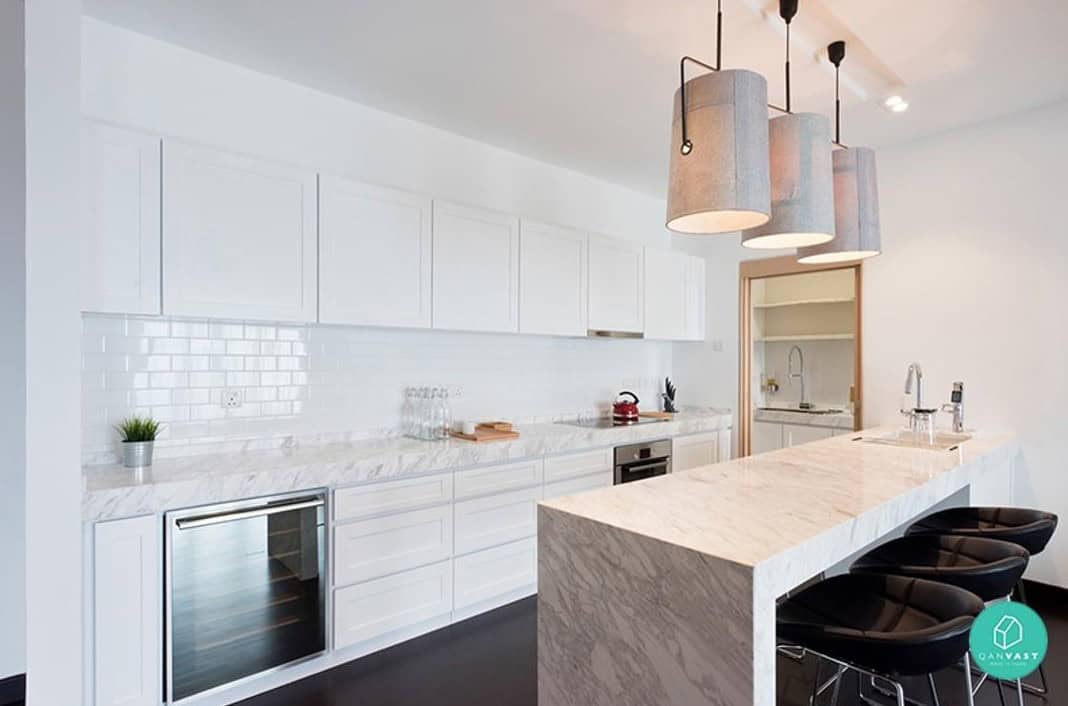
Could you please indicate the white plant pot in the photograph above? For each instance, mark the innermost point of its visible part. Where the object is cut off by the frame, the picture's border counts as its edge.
(137, 454)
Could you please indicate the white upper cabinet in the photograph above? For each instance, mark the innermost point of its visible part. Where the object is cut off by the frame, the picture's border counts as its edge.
(674, 296)
(695, 298)
(476, 269)
(120, 244)
(552, 280)
(239, 236)
(616, 281)
(374, 255)
(665, 294)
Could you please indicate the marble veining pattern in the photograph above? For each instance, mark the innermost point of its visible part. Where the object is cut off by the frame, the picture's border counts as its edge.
(113, 491)
(757, 527)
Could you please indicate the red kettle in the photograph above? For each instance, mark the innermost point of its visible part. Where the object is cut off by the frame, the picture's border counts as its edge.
(625, 411)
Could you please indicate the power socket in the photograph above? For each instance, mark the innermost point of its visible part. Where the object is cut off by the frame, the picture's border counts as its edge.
(232, 399)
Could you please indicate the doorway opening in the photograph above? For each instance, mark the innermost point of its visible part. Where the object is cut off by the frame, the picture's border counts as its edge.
(801, 341)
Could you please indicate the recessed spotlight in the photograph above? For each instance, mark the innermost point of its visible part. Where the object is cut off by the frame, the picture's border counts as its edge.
(896, 104)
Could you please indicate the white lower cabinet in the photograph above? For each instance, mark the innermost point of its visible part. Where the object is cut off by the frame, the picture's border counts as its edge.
(766, 436)
(572, 486)
(377, 547)
(390, 606)
(496, 519)
(493, 577)
(797, 434)
(573, 465)
(694, 451)
(127, 612)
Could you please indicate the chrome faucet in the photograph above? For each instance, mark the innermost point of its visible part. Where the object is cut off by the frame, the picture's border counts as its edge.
(799, 375)
(955, 406)
(915, 372)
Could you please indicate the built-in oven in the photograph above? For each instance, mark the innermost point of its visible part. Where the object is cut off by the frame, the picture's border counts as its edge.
(643, 460)
(245, 590)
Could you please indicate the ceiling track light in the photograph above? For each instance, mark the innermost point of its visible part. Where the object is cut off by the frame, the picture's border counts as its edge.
(802, 184)
(719, 176)
(856, 193)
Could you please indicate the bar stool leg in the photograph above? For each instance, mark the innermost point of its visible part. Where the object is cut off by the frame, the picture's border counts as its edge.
(968, 678)
(934, 691)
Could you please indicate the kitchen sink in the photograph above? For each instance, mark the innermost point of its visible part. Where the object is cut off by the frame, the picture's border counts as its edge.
(810, 410)
(943, 440)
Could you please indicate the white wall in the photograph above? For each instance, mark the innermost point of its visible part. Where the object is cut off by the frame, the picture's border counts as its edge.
(343, 379)
(13, 342)
(53, 473)
(973, 284)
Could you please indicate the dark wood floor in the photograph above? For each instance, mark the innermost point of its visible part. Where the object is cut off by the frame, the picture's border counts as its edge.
(491, 660)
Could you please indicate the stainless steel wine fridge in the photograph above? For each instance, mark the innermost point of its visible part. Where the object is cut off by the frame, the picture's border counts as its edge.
(245, 590)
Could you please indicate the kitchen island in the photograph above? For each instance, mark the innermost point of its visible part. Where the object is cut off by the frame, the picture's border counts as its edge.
(663, 592)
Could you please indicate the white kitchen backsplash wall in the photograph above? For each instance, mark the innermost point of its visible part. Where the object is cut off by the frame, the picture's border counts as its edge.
(311, 383)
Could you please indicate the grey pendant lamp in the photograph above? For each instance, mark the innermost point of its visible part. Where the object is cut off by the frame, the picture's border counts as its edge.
(856, 194)
(802, 187)
(719, 179)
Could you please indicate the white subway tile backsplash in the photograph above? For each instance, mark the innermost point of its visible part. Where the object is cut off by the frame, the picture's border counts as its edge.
(331, 383)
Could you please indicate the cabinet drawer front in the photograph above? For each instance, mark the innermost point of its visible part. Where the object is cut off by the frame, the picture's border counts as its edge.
(574, 465)
(494, 479)
(391, 496)
(492, 572)
(371, 548)
(572, 486)
(485, 522)
(379, 607)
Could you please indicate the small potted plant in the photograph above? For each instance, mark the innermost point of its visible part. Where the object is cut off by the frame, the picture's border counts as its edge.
(138, 437)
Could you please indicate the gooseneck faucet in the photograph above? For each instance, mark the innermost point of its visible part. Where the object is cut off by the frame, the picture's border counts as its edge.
(799, 375)
(915, 372)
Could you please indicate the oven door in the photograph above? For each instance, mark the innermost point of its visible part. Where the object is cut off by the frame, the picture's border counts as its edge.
(245, 590)
(640, 470)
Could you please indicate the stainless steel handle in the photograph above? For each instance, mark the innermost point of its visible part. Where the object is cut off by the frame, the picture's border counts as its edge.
(645, 466)
(219, 518)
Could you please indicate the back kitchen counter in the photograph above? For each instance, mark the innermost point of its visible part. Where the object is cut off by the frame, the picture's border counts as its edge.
(664, 591)
(113, 491)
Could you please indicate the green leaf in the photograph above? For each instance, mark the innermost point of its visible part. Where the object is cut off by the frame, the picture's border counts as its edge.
(135, 429)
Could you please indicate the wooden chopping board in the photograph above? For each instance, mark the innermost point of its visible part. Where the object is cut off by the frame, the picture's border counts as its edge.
(482, 434)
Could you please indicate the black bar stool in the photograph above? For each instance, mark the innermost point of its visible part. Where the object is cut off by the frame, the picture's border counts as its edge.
(882, 626)
(1031, 529)
(989, 568)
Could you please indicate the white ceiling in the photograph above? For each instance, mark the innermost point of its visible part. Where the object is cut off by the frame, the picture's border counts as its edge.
(588, 84)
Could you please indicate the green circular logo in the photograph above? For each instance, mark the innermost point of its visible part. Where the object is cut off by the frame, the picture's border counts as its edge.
(1008, 640)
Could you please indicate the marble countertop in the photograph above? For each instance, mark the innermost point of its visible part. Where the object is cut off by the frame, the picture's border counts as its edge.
(113, 491)
(839, 420)
(776, 510)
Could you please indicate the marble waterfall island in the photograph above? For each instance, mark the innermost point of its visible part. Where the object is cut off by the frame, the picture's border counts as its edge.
(663, 592)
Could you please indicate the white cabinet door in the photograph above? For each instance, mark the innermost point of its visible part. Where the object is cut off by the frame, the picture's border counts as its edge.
(766, 436)
(797, 434)
(495, 479)
(374, 255)
(239, 236)
(695, 301)
(476, 269)
(493, 577)
(573, 486)
(371, 548)
(120, 244)
(127, 612)
(496, 519)
(558, 468)
(724, 445)
(367, 500)
(665, 295)
(616, 281)
(552, 280)
(694, 451)
(387, 606)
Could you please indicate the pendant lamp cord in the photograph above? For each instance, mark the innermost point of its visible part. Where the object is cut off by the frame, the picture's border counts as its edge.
(788, 103)
(836, 53)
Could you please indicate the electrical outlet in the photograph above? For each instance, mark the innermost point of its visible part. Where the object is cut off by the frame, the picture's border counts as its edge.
(717, 346)
(232, 399)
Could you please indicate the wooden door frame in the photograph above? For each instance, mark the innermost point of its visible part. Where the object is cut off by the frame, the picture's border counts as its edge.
(748, 270)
